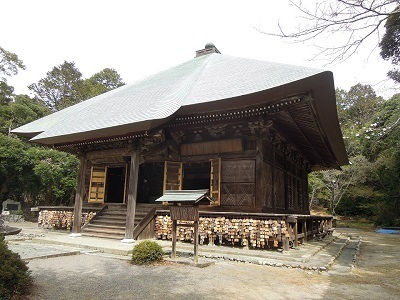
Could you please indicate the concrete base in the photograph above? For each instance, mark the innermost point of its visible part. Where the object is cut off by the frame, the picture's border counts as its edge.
(74, 235)
(128, 241)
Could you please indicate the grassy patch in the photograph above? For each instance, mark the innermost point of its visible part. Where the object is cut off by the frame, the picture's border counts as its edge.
(358, 223)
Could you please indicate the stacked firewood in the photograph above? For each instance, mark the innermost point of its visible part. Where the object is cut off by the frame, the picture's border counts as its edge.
(57, 219)
(254, 233)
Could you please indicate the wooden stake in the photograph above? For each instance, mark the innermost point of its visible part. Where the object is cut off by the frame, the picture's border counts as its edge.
(196, 242)
(174, 227)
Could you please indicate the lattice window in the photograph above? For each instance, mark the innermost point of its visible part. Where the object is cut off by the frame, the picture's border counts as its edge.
(238, 182)
(238, 171)
(238, 194)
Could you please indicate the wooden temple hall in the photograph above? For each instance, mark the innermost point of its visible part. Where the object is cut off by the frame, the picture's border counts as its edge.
(249, 132)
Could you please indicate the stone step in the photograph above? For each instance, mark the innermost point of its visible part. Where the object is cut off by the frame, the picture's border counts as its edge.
(101, 235)
(123, 210)
(111, 222)
(106, 226)
(107, 231)
(347, 257)
(107, 221)
(113, 213)
(111, 217)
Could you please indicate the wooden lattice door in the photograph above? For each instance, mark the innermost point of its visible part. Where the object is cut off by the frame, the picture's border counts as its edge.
(172, 176)
(238, 183)
(97, 187)
(215, 181)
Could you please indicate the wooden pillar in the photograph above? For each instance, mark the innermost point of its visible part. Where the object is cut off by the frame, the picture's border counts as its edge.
(296, 237)
(260, 201)
(296, 191)
(132, 193)
(174, 228)
(273, 178)
(80, 191)
(285, 188)
(306, 203)
(312, 228)
(305, 230)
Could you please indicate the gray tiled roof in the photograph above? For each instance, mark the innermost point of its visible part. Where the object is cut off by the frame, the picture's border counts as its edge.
(185, 196)
(203, 79)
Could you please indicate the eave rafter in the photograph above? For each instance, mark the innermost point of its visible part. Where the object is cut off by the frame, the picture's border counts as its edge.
(237, 114)
(301, 128)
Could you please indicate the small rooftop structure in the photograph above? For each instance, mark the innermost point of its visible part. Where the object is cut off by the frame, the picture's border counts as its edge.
(186, 197)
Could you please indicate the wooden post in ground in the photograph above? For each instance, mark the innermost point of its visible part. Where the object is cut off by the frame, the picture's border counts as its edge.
(305, 230)
(296, 237)
(196, 242)
(285, 243)
(132, 193)
(312, 228)
(174, 228)
(80, 191)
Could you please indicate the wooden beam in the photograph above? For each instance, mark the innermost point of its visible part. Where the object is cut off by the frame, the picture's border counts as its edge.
(132, 194)
(80, 191)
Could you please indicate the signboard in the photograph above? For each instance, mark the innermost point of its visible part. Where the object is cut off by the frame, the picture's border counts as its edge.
(184, 213)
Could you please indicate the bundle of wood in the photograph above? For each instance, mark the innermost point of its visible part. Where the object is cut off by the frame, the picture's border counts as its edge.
(254, 233)
(61, 219)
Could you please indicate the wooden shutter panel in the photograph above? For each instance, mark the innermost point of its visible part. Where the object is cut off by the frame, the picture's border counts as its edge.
(215, 181)
(172, 176)
(97, 187)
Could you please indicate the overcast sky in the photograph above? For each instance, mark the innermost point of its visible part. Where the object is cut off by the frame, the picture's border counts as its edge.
(140, 38)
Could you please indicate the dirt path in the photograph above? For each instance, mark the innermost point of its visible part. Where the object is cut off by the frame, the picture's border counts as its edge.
(93, 276)
(377, 271)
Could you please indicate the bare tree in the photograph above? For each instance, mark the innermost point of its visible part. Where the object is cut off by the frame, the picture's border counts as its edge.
(351, 22)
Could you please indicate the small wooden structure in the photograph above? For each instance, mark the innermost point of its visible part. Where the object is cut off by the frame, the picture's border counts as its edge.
(248, 131)
(185, 207)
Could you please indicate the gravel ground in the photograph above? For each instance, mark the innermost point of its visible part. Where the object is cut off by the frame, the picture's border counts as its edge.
(97, 276)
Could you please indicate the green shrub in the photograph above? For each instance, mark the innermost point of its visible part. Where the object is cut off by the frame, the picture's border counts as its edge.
(146, 252)
(15, 278)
